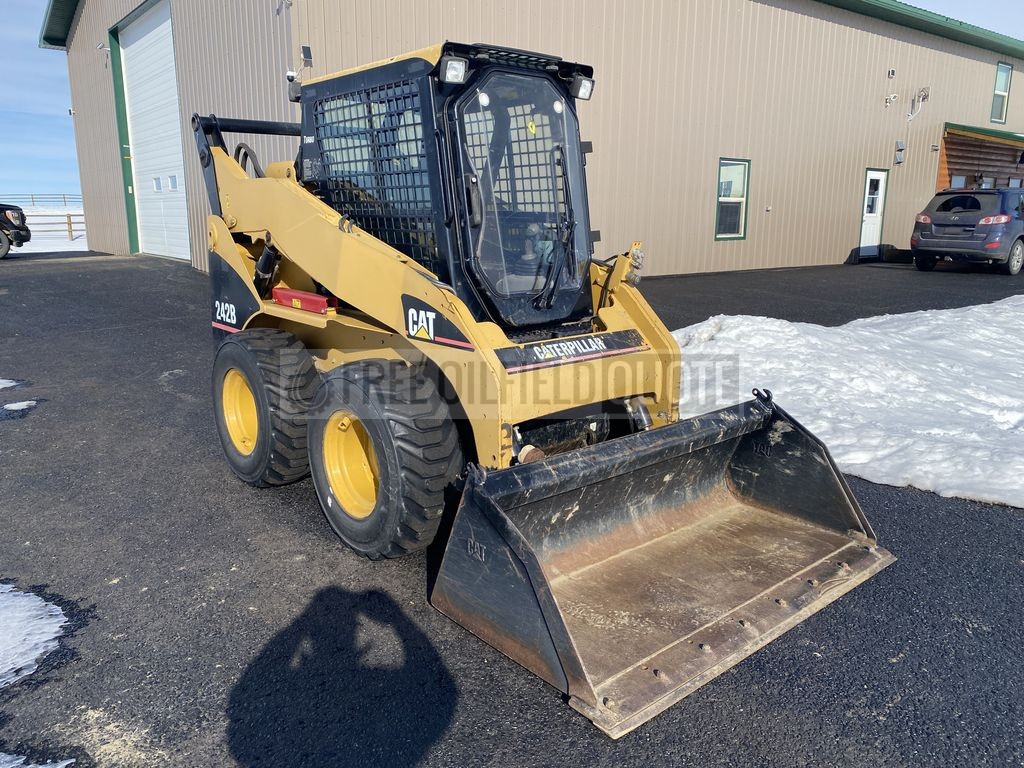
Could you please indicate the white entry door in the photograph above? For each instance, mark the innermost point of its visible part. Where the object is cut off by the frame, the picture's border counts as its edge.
(154, 132)
(871, 212)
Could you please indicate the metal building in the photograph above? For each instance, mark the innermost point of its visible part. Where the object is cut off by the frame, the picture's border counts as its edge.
(737, 134)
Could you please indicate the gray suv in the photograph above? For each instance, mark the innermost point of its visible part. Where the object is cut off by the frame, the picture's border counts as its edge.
(984, 226)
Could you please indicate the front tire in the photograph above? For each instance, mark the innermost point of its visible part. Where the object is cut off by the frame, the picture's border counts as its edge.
(924, 263)
(383, 451)
(263, 382)
(1015, 261)
(5, 244)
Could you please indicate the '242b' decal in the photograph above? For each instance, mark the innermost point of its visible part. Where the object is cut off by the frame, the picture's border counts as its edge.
(224, 312)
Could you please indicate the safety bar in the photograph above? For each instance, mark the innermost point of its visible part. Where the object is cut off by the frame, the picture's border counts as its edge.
(208, 132)
(241, 125)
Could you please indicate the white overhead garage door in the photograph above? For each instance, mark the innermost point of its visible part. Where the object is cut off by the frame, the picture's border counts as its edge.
(154, 130)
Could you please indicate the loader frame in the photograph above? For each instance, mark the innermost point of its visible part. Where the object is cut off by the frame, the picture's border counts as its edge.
(390, 307)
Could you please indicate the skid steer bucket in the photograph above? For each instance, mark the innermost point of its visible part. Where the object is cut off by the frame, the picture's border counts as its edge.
(630, 573)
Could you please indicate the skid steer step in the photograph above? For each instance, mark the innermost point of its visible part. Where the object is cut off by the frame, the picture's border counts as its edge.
(630, 573)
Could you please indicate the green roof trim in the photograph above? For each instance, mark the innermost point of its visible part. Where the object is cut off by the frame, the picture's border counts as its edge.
(934, 23)
(1005, 135)
(57, 23)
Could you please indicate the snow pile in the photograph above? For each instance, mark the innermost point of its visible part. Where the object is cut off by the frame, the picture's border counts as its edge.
(17, 410)
(20, 406)
(8, 383)
(55, 238)
(29, 628)
(13, 761)
(930, 399)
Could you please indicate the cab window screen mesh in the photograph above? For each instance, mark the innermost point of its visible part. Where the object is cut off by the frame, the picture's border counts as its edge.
(524, 177)
(372, 150)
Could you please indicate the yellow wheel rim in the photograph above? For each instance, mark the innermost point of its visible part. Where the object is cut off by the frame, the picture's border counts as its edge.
(351, 464)
(239, 406)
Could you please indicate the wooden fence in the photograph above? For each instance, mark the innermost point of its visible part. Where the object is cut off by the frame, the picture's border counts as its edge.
(69, 224)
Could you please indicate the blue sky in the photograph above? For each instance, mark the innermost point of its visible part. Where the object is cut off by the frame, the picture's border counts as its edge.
(37, 141)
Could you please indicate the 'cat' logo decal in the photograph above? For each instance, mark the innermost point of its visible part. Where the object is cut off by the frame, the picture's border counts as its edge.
(421, 323)
(424, 323)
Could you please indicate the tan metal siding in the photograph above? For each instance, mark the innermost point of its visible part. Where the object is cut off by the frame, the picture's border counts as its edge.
(231, 57)
(92, 97)
(795, 86)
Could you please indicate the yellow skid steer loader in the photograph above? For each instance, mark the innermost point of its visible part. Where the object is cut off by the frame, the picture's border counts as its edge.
(410, 311)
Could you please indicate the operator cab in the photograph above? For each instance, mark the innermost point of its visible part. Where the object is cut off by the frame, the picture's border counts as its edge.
(466, 158)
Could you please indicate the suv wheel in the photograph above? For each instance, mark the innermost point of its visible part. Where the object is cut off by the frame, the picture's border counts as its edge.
(924, 262)
(5, 244)
(1015, 260)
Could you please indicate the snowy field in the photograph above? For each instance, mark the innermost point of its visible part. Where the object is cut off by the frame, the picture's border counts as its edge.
(29, 628)
(45, 242)
(930, 399)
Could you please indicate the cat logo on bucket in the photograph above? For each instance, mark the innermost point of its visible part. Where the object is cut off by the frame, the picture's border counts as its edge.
(421, 323)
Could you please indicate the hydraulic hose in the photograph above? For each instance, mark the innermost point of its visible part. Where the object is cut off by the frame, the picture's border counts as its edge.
(245, 154)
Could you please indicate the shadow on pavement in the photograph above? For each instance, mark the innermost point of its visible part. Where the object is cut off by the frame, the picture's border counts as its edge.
(352, 681)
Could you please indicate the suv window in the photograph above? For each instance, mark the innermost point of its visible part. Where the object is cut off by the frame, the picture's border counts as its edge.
(965, 203)
(1015, 204)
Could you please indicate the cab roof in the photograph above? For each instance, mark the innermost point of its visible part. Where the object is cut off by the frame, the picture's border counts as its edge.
(475, 52)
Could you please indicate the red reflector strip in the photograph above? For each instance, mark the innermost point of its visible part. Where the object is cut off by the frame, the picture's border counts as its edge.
(304, 300)
(996, 244)
(453, 342)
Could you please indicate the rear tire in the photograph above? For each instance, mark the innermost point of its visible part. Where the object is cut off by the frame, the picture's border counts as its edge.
(1015, 261)
(924, 263)
(5, 244)
(263, 382)
(383, 451)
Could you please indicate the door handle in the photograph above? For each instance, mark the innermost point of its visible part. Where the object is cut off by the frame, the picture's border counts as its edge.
(476, 203)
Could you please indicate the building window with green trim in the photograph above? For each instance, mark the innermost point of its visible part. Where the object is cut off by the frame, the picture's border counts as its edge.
(1001, 95)
(731, 215)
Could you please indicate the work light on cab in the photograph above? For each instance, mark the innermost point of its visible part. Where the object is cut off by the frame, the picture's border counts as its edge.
(581, 87)
(453, 69)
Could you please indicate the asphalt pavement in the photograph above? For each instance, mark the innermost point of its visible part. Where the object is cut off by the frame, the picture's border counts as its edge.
(215, 624)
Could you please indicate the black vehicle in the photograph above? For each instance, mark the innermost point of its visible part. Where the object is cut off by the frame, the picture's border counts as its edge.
(13, 229)
(984, 226)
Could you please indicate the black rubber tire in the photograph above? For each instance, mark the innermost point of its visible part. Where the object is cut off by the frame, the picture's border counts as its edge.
(1014, 260)
(925, 263)
(417, 449)
(280, 373)
(5, 244)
